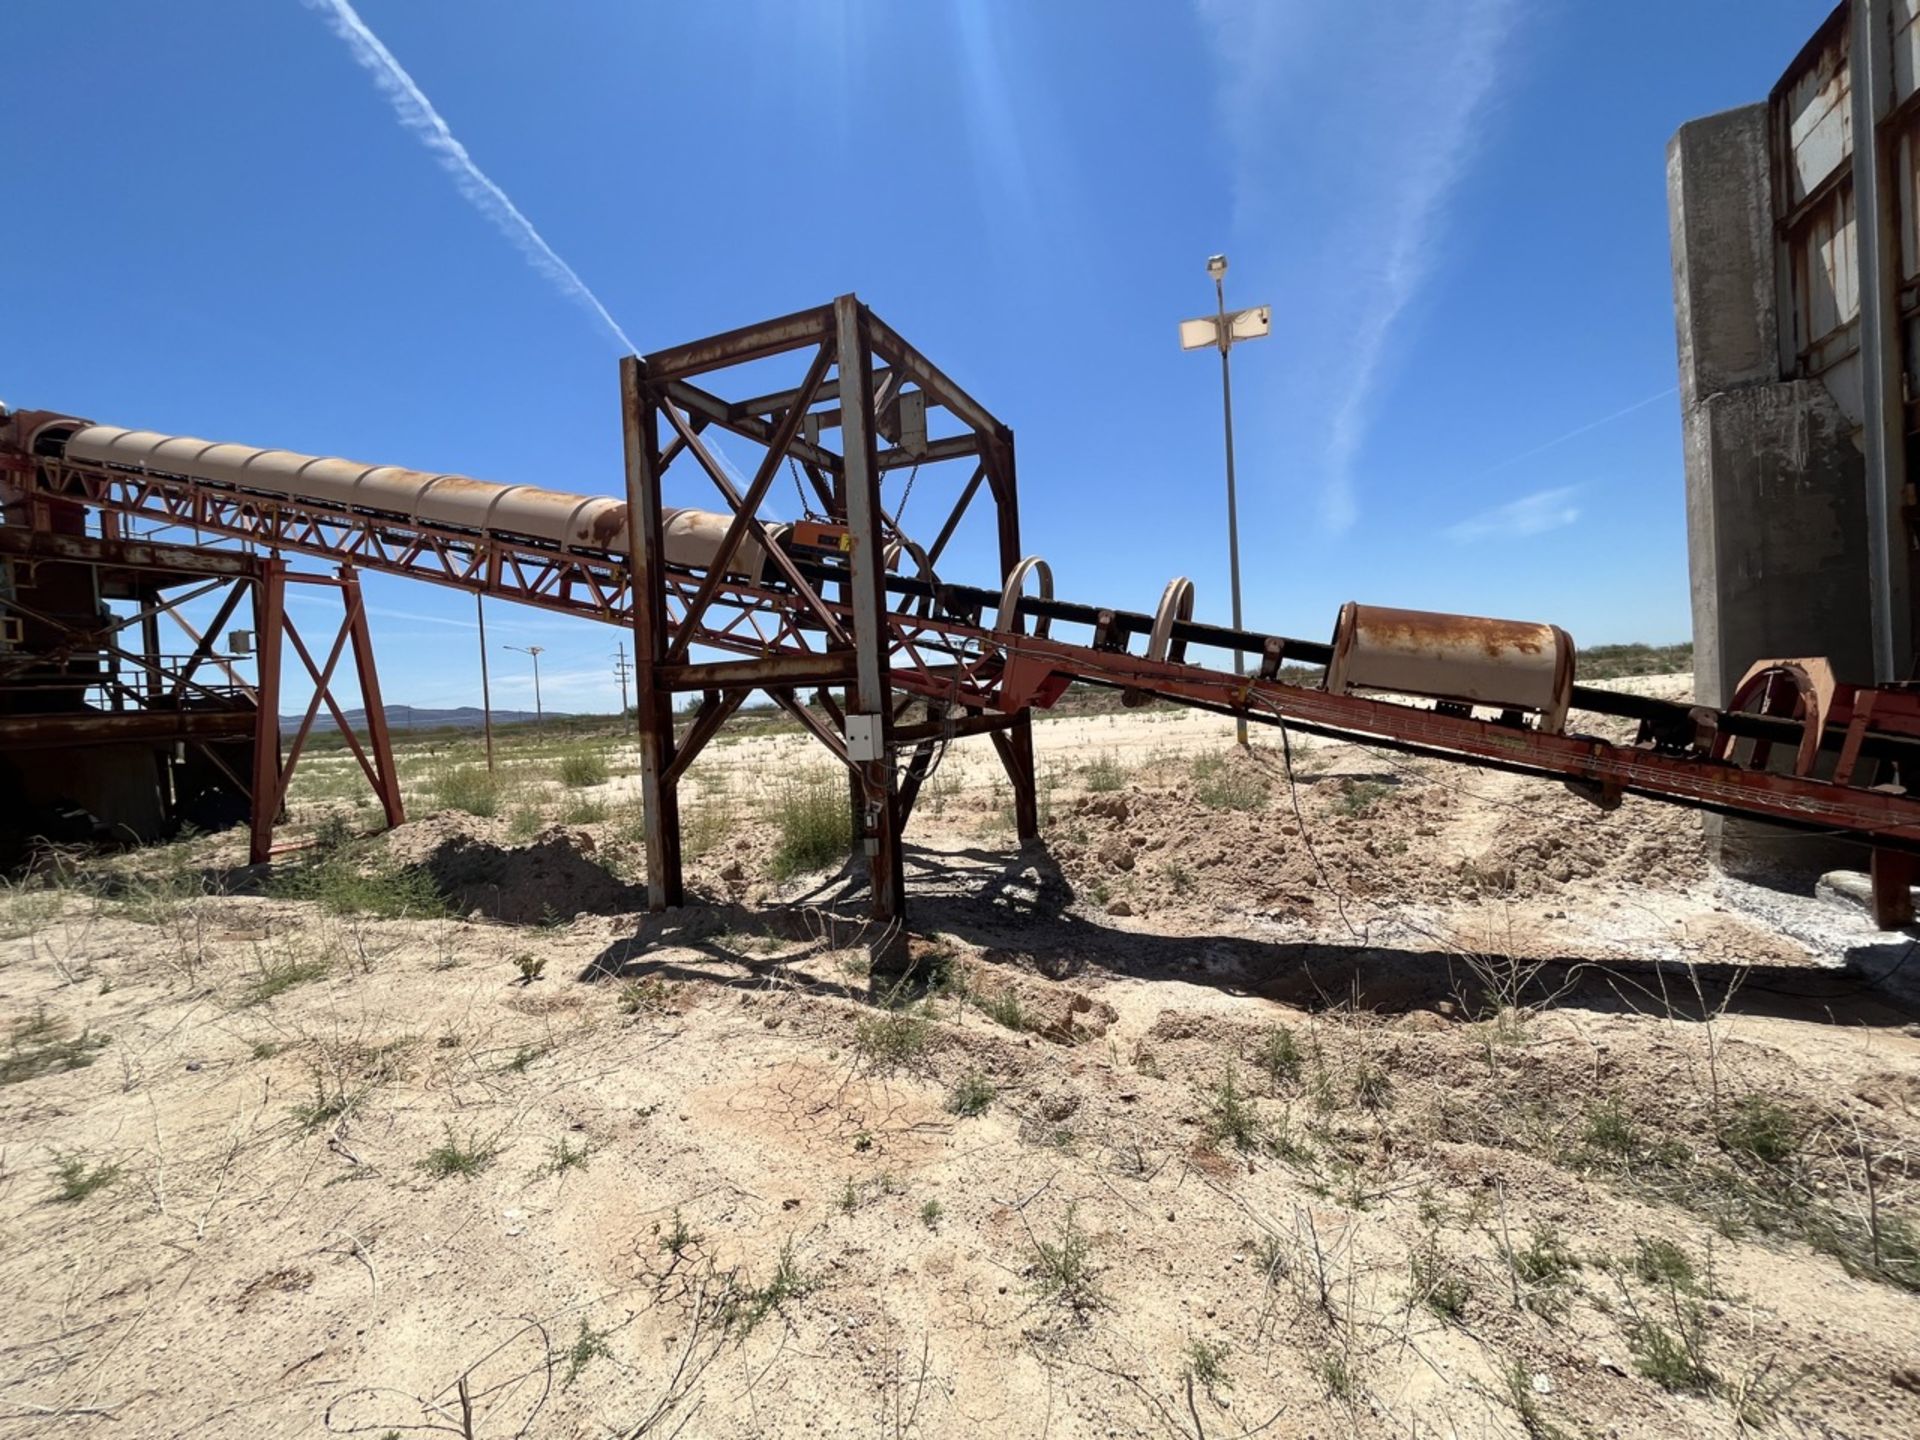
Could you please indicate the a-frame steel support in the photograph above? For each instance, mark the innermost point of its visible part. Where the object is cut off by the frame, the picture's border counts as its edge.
(863, 381)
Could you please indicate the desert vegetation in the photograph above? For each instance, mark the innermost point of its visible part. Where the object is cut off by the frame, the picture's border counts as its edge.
(1280, 1091)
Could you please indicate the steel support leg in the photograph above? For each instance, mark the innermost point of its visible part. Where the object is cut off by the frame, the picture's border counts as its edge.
(386, 779)
(269, 610)
(1018, 758)
(1016, 743)
(1892, 889)
(653, 708)
(872, 701)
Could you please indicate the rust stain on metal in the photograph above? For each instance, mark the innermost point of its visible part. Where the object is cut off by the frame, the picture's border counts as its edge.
(607, 524)
(1493, 638)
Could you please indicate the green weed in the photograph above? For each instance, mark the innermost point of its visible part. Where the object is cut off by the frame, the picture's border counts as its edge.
(1280, 1056)
(452, 1156)
(1206, 1365)
(1232, 1114)
(1355, 798)
(583, 767)
(75, 1179)
(972, 1095)
(814, 823)
(892, 1038)
(39, 1044)
(467, 787)
(1063, 1269)
(1761, 1129)
(589, 1345)
(275, 977)
(1229, 782)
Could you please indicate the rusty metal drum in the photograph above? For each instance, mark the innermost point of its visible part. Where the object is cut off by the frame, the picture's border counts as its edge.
(1464, 659)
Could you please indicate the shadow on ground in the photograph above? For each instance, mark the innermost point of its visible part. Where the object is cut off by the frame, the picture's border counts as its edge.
(1017, 908)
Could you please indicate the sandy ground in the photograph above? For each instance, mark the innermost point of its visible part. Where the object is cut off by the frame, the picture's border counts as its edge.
(1405, 1101)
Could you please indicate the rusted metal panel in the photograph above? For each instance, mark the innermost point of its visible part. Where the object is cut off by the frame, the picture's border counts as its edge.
(1813, 127)
(21, 542)
(1813, 109)
(1903, 19)
(39, 731)
(1823, 253)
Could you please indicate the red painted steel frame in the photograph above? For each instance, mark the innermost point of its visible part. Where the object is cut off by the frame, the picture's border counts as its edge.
(973, 679)
(277, 633)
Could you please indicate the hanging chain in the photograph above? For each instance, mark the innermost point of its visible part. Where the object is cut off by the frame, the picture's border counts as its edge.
(906, 495)
(806, 508)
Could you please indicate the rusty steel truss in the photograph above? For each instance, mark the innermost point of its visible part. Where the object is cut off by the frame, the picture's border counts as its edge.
(96, 696)
(866, 405)
(847, 622)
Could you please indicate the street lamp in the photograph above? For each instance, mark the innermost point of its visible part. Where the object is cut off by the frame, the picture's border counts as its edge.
(1223, 331)
(539, 716)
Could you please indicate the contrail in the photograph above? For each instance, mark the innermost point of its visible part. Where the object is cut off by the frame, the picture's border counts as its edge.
(417, 114)
(1575, 433)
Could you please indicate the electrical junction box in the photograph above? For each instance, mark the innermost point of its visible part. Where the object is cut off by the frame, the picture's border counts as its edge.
(863, 738)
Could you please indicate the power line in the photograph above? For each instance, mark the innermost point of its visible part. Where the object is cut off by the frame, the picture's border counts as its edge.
(623, 672)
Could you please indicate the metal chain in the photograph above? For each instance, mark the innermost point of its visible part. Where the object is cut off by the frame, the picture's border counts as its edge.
(906, 495)
(806, 509)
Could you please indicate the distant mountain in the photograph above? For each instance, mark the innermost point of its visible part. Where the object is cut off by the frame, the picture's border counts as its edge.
(419, 717)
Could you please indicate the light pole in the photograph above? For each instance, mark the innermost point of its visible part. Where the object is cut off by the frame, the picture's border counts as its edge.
(486, 685)
(1224, 331)
(539, 716)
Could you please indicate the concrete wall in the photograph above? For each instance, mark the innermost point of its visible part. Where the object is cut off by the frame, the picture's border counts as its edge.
(1776, 501)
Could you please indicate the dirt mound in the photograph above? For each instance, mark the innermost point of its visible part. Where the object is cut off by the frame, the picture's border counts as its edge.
(550, 877)
(1395, 833)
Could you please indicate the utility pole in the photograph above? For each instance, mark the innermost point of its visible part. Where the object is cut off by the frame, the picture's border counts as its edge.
(1224, 331)
(486, 688)
(623, 668)
(539, 715)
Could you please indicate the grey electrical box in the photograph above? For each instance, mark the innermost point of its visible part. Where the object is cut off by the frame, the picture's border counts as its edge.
(913, 422)
(863, 738)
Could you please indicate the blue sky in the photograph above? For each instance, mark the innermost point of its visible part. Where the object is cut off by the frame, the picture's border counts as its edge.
(1456, 210)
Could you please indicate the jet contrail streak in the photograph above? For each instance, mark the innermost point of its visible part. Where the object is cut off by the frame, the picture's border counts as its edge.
(417, 114)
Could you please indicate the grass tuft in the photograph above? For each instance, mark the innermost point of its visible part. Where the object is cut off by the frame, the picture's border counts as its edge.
(470, 788)
(1280, 1056)
(1225, 782)
(1004, 1008)
(1661, 1262)
(582, 767)
(814, 822)
(1104, 773)
(1355, 798)
(466, 1159)
(339, 884)
(1674, 1359)
(562, 1157)
(972, 1095)
(276, 977)
(1232, 1114)
(1063, 1268)
(589, 1345)
(1206, 1365)
(890, 1038)
(75, 1179)
(1761, 1129)
(39, 1044)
